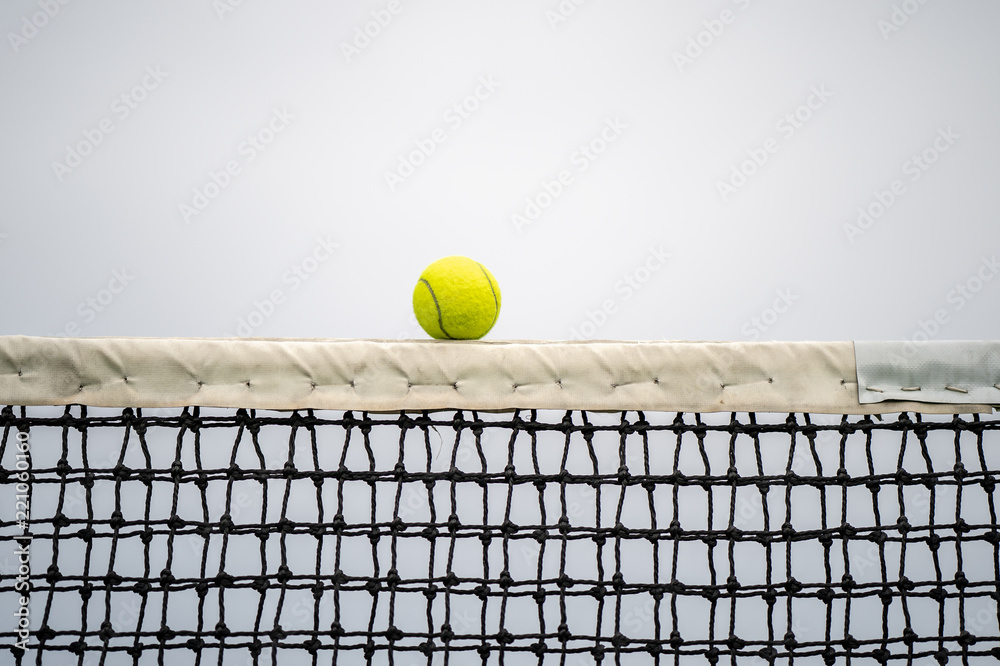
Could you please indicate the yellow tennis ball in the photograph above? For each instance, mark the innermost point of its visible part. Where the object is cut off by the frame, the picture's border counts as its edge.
(456, 298)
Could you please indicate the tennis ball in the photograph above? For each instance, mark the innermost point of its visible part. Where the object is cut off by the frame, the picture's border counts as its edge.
(456, 298)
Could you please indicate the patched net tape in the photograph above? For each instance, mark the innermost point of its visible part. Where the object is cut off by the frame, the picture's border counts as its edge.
(388, 375)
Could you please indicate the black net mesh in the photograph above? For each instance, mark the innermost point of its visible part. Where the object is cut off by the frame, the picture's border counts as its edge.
(240, 537)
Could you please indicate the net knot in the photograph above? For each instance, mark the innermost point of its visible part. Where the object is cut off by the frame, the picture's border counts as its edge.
(966, 639)
(711, 593)
(195, 644)
(235, 472)
(427, 648)
(52, 574)
(598, 592)
(538, 648)
(768, 654)
(175, 522)
(392, 579)
(903, 525)
(166, 578)
(176, 470)
(879, 537)
(787, 530)
(223, 579)
(289, 470)
(675, 639)
(848, 530)
(564, 526)
(121, 472)
(961, 582)
(885, 594)
(277, 634)
(712, 655)
(850, 643)
(166, 634)
(905, 584)
(504, 637)
(933, 542)
(60, 520)
(338, 523)
(317, 479)
(789, 641)
(430, 532)
(336, 630)
(284, 574)
(825, 594)
(732, 584)
(453, 523)
(941, 656)
(988, 484)
(446, 633)
(847, 582)
(508, 528)
(225, 523)
(111, 579)
(881, 655)
(675, 529)
(221, 630)
(735, 643)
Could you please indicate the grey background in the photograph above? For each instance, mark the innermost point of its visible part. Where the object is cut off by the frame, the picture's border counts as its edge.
(891, 86)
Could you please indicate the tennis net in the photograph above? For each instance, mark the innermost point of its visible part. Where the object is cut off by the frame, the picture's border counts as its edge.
(483, 522)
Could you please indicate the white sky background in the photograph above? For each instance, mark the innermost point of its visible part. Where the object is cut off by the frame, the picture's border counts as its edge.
(113, 222)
